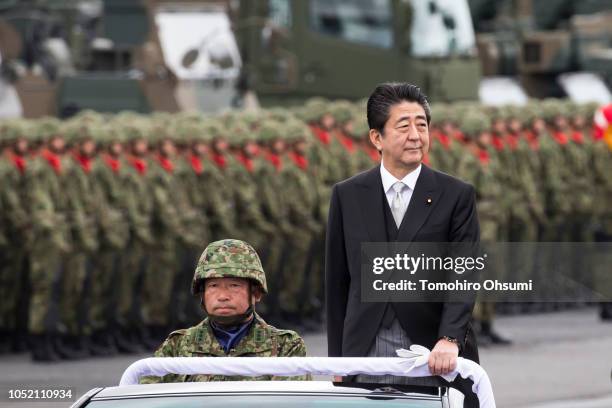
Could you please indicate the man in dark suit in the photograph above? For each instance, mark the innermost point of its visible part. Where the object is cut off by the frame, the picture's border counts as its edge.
(400, 200)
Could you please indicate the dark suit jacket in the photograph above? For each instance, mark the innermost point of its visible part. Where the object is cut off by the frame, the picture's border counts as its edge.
(356, 216)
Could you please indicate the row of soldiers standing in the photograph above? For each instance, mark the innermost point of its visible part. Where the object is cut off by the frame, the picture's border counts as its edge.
(541, 175)
(103, 216)
(103, 219)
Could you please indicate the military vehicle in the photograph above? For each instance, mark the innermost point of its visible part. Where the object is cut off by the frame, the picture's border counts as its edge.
(145, 55)
(553, 48)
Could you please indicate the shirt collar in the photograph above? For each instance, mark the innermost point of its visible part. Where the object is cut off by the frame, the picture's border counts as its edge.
(389, 179)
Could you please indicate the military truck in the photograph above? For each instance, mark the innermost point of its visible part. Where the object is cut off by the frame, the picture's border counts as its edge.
(145, 55)
(544, 43)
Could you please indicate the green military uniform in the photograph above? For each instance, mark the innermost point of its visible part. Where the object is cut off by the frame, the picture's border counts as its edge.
(135, 261)
(251, 223)
(342, 146)
(274, 207)
(169, 230)
(230, 258)
(262, 340)
(478, 167)
(301, 203)
(190, 201)
(82, 208)
(52, 239)
(108, 174)
(15, 231)
(218, 198)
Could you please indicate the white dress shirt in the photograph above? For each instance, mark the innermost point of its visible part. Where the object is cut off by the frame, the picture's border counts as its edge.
(388, 180)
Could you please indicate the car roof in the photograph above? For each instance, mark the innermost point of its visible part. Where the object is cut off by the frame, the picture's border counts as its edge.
(241, 387)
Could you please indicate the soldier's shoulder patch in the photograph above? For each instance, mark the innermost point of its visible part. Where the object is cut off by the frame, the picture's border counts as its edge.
(180, 332)
(286, 333)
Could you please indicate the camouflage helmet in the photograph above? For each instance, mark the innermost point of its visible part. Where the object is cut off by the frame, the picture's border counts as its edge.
(551, 108)
(46, 128)
(530, 112)
(314, 109)
(342, 111)
(229, 258)
(439, 113)
(474, 123)
(360, 127)
(14, 129)
(240, 135)
(296, 131)
(269, 132)
(588, 109)
(212, 130)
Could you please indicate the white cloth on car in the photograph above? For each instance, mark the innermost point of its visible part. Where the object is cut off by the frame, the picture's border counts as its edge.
(410, 363)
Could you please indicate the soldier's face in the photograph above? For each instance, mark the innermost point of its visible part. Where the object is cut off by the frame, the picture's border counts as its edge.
(515, 125)
(327, 121)
(200, 149)
(140, 146)
(168, 148)
(221, 145)
(300, 147)
(561, 122)
(88, 147)
(499, 126)
(348, 127)
(58, 144)
(116, 148)
(579, 121)
(278, 146)
(228, 296)
(484, 139)
(539, 125)
(405, 139)
(21, 146)
(252, 149)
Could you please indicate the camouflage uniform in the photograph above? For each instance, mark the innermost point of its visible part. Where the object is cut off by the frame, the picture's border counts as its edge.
(46, 180)
(251, 222)
(15, 229)
(219, 202)
(262, 340)
(301, 203)
(190, 201)
(135, 262)
(274, 208)
(236, 259)
(108, 174)
(342, 145)
(82, 209)
(169, 229)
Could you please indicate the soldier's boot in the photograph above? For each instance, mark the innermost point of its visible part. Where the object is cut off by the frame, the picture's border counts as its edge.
(101, 344)
(20, 342)
(42, 348)
(486, 330)
(125, 341)
(5, 342)
(605, 311)
(71, 347)
(482, 339)
(154, 337)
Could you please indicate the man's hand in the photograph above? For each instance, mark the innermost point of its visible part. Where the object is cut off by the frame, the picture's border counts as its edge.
(443, 357)
(337, 378)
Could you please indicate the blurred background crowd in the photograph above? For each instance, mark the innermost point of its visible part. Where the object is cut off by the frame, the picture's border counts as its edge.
(104, 216)
(134, 132)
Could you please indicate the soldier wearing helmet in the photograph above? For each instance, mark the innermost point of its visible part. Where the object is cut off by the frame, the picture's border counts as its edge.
(230, 280)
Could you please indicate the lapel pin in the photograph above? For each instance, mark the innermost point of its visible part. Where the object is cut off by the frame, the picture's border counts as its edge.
(429, 201)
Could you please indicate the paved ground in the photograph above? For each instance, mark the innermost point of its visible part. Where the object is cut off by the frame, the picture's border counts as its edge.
(559, 360)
